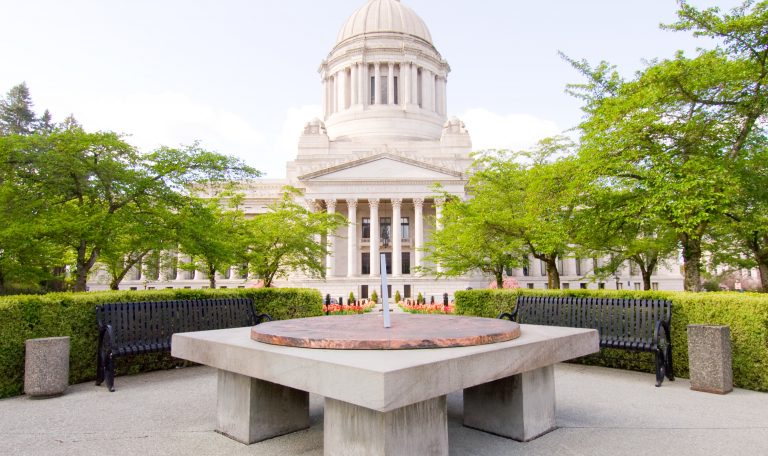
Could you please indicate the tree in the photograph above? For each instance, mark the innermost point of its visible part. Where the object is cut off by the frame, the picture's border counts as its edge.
(83, 185)
(467, 241)
(215, 237)
(287, 238)
(529, 200)
(16, 115)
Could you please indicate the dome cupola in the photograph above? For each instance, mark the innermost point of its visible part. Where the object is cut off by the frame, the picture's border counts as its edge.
(384, 78)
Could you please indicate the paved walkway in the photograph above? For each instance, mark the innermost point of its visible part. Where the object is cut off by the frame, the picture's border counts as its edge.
(600, 412)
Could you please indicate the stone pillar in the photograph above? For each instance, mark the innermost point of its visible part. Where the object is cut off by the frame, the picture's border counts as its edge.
(416, 429)
(397, 246)
(354, 85)
(428, 89)
(415, 84)
(46, 366)
(418, 221)
(406, 79)
(342, 87)
(377, 83)
(444, 95)
(709, 358)
(391, 84)
(375, 231)
(250, 410)
(364, 84)
(520, 407)
(325, 96)
(329, 258)
(352, 251)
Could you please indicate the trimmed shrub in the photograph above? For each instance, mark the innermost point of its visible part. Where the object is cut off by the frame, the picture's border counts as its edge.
(745, 313)
(73, 314)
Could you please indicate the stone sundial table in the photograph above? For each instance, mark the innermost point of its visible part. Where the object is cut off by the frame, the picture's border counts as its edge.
(385, 389)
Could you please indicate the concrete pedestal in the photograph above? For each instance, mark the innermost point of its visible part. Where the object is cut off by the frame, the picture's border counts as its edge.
(46, 367)
(520, 407)
(250, 410)
(416, 429)
(709, 358)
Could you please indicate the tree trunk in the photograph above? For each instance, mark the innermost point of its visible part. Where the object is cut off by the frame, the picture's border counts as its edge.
(499, 275)
(83, 266)
(691, 262)
(761, 258)
(212, 277)
(553, 275)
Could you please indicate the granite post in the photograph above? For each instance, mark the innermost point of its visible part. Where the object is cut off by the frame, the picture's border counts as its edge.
(709, 358)
(46, 366)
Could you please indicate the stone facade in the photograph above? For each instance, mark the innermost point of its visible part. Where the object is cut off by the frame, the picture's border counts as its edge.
(384, 141)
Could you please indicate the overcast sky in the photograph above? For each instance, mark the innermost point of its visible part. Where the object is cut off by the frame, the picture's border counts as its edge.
(241, 76)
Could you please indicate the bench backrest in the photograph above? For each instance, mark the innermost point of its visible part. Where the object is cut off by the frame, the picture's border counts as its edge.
(155, 322)
(614, 318)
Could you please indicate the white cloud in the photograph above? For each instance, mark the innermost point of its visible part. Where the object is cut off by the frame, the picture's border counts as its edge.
(490, 130)
(294, 120)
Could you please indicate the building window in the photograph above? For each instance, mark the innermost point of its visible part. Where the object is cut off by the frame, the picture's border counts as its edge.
(389, 291)
(366, 227)
(638, 286)
(405, 229)
(373, 90)
(633, 269)
(543, 268)
(601, 286)
(619, 286)
(577, 262)
(406, 262)
(565, 286)
(363, 291)
(386, 227)
(655, 286)
(406, 291)
(388, 257)
(397, 98)
(365, 263)
(583, 286)
(530, 286)
(526, 269)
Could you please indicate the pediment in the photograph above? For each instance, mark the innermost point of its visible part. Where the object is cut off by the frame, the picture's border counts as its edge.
(383, 167)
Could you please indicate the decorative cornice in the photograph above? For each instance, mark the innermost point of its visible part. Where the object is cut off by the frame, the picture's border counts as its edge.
(375, 155)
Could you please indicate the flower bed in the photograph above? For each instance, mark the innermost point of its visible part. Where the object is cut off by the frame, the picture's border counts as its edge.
(412, 307)
(346, 309)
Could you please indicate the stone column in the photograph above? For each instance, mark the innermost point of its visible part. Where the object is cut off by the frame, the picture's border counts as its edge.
(364, 84)
(342, 77)
(329, 259)
(418, 220)
(397, 246)
(374, 205)
(444, 96)
(391, 84)
(352, 251)
(325, 96)
(415, 84)
(405, 77)
(354, 85)
(377, 83)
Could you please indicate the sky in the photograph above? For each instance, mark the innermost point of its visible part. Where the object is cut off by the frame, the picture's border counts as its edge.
(241, 76)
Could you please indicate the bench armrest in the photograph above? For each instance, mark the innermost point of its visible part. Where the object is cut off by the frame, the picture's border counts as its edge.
(261, 318)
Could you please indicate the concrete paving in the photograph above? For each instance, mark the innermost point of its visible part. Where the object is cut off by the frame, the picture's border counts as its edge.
(599, 412)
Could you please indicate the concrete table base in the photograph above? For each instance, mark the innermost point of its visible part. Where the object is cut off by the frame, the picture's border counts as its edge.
(250, 410)
(520, 407)
(416, 429)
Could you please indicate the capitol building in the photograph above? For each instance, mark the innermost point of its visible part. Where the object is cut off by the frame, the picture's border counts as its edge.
(384, 140)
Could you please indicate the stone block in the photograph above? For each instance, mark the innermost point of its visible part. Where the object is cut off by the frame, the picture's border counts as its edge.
(709, 358)
(250, 410)
(416, 429)
(46, 366)
(520, 407)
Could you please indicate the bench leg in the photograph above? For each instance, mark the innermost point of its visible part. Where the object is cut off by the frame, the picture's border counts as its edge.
(520, 407)
(416, 429)
(250, 410)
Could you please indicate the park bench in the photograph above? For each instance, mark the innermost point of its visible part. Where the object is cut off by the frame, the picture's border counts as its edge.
(133, 328)
(625, 324)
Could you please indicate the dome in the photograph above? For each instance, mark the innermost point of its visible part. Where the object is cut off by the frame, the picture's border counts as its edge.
(382, 16)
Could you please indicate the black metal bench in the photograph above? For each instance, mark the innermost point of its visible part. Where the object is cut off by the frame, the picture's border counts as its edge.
(626, 324)
(132, 328)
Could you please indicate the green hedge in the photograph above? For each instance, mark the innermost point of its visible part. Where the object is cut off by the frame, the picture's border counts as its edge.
(73, 314)
(745, 313)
